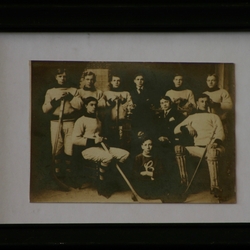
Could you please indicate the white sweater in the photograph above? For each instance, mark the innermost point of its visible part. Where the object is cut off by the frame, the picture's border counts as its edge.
(54, 92)
(77, 101)
(221, 96)
(204, 124)
(122, 107)
(184, 94)
(85, 128)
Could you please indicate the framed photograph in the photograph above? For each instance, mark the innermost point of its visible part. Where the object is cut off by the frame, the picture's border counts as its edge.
(43, 205)
(158, 75)
(155, 140)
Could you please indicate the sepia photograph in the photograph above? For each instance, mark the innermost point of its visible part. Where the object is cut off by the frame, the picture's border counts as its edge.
(132, 132)
(125, 124)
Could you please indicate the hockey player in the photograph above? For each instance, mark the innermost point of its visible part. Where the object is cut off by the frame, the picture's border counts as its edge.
(220, 100)
(58, 104)
(181, 96)
(208, 133)
(87, 88)
(87, 136)
(117, 103)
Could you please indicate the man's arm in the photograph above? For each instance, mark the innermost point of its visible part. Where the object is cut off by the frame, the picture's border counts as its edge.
(77, 102)
(125, 98)
(226, 103)
(49, 104)
(78, 137)
(137, 164)
(78, 133)
(219, 134)
(191, 98)
(101, 100)
(179, 128)
(110, 101)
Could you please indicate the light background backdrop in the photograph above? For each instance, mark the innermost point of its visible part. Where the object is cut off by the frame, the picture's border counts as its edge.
(16, 50)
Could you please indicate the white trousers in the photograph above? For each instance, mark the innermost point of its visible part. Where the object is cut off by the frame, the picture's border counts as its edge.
(98, 154)
(212, 157)
(64, 142)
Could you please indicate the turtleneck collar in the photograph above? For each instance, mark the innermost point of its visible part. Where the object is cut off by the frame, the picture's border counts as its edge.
(115, 89)
(212, 89)
(90, 115)
(59, 86)
(89, 89)
(201, 111)
(179, 88)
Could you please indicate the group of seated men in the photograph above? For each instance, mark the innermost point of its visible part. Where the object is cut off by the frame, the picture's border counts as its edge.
(182, 126)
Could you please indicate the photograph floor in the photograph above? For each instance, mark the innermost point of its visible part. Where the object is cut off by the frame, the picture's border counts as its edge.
(50, 192)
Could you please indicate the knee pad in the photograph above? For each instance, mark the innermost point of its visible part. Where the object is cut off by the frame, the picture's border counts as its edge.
(180, 153)
(180, 150)
(213, 156)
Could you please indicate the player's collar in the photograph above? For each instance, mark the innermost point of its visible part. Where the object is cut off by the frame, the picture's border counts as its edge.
(213, 89)
(89, 89)
(179, 88)
(115, 89)
(201, 111)
(90, 115)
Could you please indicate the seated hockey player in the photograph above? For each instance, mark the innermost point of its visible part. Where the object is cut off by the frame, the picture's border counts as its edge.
(208, 133)
(149, 176)
(88, 140)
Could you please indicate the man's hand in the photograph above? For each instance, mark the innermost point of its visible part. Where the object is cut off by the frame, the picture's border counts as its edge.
(60, 95)
(191, 130)
(72, 91)
(123, 100)
(140, 134)
(213, 104)
(180, 101)
(163, 139)
(112, 100)
(214, 145)
(98, 139)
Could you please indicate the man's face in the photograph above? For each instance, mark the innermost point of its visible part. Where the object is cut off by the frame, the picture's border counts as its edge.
(165, 104)
(202, 103)
(178, 81)
(91, 107)
(61, 78)
(87, 81)
(147, 146)
(211, 81)
(139, 81)
(115, 82)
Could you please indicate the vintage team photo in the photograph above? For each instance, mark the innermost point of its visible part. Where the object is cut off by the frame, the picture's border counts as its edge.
(132, 132)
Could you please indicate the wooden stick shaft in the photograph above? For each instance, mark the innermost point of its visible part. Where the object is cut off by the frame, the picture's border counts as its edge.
(58, 129)
(136, 196)
(122, 174)
(59, 182)
(203, 155)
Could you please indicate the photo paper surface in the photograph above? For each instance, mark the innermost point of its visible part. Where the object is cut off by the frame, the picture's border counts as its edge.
(132, 132)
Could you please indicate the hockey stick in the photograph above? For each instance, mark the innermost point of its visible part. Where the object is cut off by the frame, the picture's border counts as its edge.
(136, 197)
(117, 107)
(203, 155)
(62, 185)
